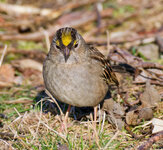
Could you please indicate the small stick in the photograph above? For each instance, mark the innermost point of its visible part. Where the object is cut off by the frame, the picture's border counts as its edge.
(151, 141)
(137, 137)
(3, 54)
(47, 39)
(108, 41)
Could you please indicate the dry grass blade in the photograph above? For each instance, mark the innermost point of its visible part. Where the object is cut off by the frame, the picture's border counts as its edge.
(3, 54)
(108, 42)
(119, 28)
(6, 146)
(9, 135)
(47, 39)
(48, 93)
(95, 131)
(19, 101)
(59, 134)
(103, 122)
(114, 137)
(25, 10)
(38, 125)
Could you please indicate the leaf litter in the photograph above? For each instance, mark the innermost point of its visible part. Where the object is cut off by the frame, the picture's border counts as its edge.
(121, 116)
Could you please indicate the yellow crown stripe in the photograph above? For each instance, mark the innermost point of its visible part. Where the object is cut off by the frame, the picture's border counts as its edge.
(66, 38)
(74, 42)
(57, 42)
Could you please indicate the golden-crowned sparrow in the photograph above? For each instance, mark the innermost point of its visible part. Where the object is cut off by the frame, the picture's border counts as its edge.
(74, 72)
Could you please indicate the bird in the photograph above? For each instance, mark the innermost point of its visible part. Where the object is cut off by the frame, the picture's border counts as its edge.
(75, 72)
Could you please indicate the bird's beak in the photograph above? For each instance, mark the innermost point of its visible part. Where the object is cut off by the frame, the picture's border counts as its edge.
(66, 54)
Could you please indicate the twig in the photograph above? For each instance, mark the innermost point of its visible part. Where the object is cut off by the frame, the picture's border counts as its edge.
(47, 40)
(3, 54)
(152, 82)
(74, 4)
(28, 10)
(151, 141)
(98, 9)
(122, 56)
(80, 19)
(108, 41)
(150, 65)
(137, 137)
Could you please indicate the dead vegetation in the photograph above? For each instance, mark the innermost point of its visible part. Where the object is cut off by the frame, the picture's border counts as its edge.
(130, 33)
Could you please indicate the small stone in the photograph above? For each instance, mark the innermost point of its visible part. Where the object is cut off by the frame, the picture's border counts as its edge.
(146, 113)
(159, 41)
(150, 51)
(132, 118)
(150, 96)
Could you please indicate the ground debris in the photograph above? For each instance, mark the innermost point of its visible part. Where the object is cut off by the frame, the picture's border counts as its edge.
(119, 28)
(7, 75)
(151, 141)
(150, 97)
(150, 51)
(115, 113)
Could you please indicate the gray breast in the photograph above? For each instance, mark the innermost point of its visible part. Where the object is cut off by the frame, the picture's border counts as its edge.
(76, 84)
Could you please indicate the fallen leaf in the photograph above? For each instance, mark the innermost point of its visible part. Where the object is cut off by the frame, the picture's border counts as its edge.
(6, 75)
(115, 112)
(27, 63)
(110, 105)
(146, 113)
(150, 97)
(132, 117)
(158, 125)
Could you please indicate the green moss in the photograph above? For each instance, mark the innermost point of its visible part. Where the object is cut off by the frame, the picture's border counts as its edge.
(29, 45)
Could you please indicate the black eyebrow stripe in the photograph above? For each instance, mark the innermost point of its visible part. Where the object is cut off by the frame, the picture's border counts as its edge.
(59, 36)
(73, 34)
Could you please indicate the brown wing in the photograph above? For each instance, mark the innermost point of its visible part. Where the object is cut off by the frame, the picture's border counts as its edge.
(108, 74)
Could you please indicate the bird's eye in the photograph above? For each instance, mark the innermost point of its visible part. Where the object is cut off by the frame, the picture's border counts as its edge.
(58, 47)
(76, 45)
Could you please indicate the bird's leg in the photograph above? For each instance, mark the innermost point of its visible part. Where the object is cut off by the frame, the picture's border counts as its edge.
(66, 118)
(67, 112)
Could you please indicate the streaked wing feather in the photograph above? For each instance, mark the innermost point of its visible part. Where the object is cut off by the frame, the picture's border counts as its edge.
(108, 74)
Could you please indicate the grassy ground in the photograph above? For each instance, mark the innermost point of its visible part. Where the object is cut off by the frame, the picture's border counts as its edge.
(32, 129)
(23, 124)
